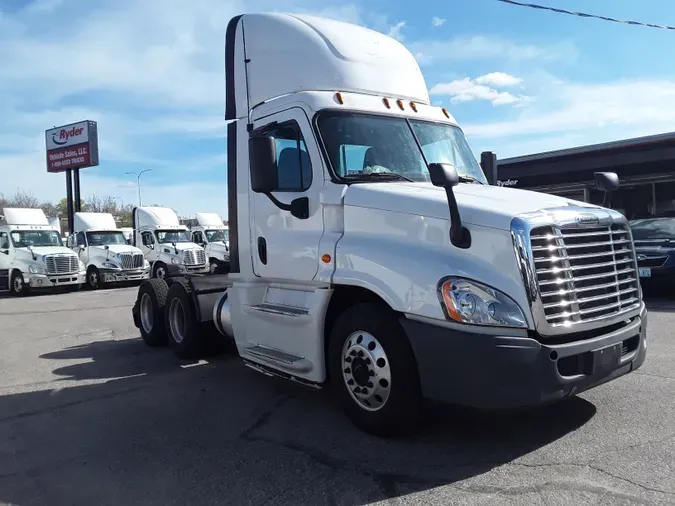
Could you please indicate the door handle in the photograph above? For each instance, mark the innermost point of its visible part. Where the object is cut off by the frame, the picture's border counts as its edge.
(262, 250)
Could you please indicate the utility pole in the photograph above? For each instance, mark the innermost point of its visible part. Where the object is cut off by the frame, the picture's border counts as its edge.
(138, 181)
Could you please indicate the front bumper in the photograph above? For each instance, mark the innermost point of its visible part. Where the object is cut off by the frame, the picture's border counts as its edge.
(497, 372)
(45, 281)
(117, 275)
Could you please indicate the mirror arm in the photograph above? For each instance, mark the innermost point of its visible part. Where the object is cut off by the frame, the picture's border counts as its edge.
(277, 202)
(460, 236)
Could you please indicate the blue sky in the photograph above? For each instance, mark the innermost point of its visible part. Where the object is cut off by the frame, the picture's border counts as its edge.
(151, 74)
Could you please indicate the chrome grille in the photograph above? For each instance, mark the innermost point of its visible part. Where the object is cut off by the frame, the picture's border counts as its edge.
(61, 264)
(195, 257)
(584, 274)
(132, 260)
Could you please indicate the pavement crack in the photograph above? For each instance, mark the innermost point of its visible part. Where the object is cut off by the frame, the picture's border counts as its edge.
(263, 419)
(42, 411)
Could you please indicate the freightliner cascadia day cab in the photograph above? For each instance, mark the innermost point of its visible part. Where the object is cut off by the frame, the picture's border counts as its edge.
(105, 252)
(367, 250)
(212, 235)
(165, 242)
(32, 254)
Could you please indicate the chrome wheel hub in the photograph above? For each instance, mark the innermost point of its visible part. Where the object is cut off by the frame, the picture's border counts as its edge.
(147, 319)
(177, 320)
(365, 370)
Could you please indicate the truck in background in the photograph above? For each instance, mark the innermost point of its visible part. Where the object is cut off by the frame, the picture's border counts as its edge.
(213, 235)
(32, 254)
(369, 253)
(104, 250)
(166, 243)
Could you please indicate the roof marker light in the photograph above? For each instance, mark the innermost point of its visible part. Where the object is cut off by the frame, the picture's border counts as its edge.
(413, 106)
(338, 97)
(386, 103)
(447, 114)
(399, 102)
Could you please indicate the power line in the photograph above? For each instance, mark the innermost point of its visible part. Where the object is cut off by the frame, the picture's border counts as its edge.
(584, 15)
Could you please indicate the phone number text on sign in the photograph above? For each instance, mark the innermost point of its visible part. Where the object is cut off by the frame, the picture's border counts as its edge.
(69, 158)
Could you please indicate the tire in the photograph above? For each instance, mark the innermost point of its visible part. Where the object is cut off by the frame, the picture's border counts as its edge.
(151, 303)
(159, 270)
(93, 278)
(17, 285)
(214, 266)
(370, 334)
(183, 329)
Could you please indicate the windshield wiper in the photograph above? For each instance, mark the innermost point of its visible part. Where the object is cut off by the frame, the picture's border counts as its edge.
(469, 179)
(373, 176)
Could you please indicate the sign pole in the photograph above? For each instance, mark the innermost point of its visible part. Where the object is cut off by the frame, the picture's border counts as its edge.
(69, 199)
(77, 200)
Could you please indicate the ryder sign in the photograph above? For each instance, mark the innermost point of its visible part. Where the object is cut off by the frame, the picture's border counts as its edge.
(72, 146)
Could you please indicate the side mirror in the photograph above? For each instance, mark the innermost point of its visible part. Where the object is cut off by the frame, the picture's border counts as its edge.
(445, 176)
(606, 182)
(106, 247)
(262, 155)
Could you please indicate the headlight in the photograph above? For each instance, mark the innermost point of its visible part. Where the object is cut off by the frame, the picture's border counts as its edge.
(175, 260)
(467, 301)
(110, 265)
(36, 269)
(146, 264)
(81, 264)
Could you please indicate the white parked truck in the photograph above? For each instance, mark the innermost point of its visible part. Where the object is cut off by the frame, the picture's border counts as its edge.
(166, 243)
(32, 254)
(105, 252)
(368, 252)
(212, 235)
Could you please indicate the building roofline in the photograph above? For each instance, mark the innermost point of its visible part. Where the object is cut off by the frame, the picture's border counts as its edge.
(591, 148)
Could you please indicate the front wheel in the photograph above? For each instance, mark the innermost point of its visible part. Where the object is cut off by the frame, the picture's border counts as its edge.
(17, 284)
(214, 266)
(373, 371)
(93, 278)
(159, 270)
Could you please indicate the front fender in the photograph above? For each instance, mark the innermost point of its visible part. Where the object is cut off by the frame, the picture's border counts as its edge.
(401, 258)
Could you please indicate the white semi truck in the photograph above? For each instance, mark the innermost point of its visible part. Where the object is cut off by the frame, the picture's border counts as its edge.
(212, 235)
(369, 252)
(166, 243)
(32, 254)
(104, 250)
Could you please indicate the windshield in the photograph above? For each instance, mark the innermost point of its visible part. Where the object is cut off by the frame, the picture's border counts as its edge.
(653, 228)
(362, 144)
(25, 238)
(216, 235)
(105, 238)
(169, 236)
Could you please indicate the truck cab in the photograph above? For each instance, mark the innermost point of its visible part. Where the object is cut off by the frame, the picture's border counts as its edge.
(212, 235)
(32, 254)
(104, 250)
(368, 252)
(166, 243)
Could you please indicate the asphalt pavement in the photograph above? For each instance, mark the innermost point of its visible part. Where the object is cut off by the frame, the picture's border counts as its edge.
(90, 415)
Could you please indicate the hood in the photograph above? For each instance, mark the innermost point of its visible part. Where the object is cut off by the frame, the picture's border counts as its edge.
(41, 251)
(218, 246)
(483, 205)
(180, 246)
(116, 249)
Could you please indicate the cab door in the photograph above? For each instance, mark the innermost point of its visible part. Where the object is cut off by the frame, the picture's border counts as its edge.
(284, 246)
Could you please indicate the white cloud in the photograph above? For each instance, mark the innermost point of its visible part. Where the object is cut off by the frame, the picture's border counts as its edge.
(499, 80)
(489, 48)
(467, 90)
(565, 114)
(436, 21)
(395, 31)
